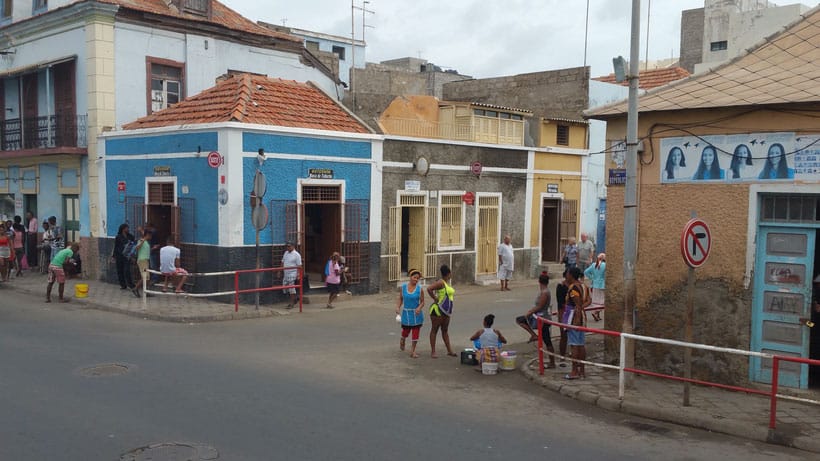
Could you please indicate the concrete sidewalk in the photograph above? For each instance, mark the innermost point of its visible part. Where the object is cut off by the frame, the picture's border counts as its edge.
(734, 413)
(742, 415)
(166, 307)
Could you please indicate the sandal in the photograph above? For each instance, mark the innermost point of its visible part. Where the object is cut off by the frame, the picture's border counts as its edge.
(452, 354)
(571, 376)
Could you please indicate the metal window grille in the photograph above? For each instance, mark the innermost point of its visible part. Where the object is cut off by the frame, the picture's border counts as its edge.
(562, 135)
(790, 208)
(161, 193)
(569, 220)
(488, 217)
(411, 200)
(451, 221)
(321, 194)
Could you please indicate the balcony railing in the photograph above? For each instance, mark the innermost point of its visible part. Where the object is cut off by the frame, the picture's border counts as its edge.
(44, 132)
(476, 129)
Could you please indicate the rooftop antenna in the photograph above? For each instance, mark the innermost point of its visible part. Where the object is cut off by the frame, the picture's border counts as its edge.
(284, 22)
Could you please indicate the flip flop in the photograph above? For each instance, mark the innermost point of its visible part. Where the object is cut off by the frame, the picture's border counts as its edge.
(452, 354)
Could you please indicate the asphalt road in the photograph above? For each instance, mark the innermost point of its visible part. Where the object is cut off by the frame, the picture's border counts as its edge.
(323, 385)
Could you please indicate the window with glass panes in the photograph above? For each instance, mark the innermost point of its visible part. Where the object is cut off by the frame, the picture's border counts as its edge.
(166, 85)
(792, 208)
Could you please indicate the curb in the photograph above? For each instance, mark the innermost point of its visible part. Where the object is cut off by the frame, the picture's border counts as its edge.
(241, 315)
(684, 417)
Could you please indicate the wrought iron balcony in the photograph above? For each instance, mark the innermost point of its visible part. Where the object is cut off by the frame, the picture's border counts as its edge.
(44, 132)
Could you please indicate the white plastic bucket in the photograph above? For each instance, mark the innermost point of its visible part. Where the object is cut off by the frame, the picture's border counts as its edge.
(507, 360)
(489, 368)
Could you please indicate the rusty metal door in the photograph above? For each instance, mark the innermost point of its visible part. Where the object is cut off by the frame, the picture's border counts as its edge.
(355, 239)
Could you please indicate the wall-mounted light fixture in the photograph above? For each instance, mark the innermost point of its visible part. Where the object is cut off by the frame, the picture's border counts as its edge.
(260, 156)
(422, 166)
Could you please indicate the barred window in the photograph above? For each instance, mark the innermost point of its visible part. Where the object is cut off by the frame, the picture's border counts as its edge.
(451, 222)
(790, 208)
(562, 135)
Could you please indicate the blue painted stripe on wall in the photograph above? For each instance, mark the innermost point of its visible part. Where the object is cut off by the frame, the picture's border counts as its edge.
(281, 177)
(251, 142)
(163, 144)
(202, 182)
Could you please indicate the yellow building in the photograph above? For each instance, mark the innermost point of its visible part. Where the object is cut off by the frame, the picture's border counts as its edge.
(554, 166)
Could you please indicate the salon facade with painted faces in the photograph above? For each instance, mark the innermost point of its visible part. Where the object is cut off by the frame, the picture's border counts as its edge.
(739, 147)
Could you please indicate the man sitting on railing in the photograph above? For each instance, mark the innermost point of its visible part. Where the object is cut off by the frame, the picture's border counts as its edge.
(169, 266)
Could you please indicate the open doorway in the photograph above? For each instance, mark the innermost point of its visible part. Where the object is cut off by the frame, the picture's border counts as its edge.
(322, 226)
(550, 230)
(161, 218)
(412, 238)
(323, 234)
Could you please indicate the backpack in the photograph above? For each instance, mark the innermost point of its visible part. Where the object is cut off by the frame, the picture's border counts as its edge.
(129, 250)
(446, 304)
(327, 268)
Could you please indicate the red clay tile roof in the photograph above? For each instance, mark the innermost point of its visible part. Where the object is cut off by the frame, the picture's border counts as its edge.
(650, 78)
(220, 15)
(259, 100)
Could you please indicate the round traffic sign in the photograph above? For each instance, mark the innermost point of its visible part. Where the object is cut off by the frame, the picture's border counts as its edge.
(214, 159)
(476, 168)
(695, 242)
(259, 216)
(260, 185)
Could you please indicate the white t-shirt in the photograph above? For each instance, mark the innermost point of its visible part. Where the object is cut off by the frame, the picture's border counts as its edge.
(167, 259)
(291, 259)
(506, 253)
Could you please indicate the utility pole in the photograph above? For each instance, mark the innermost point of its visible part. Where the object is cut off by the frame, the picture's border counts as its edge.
(631, 187)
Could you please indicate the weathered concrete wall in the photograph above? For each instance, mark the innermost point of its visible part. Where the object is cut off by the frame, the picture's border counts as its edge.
(691, 38)
(556, 93)
(512, 186)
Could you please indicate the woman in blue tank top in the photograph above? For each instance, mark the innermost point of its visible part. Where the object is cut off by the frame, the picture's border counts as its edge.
(409, 306)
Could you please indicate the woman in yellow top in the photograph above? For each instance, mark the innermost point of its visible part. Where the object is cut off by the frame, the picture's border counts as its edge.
(443, 295)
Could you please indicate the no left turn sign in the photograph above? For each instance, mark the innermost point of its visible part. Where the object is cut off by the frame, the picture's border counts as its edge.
(695, 242)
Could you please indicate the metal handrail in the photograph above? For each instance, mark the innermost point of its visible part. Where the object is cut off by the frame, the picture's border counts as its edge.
(623, 369)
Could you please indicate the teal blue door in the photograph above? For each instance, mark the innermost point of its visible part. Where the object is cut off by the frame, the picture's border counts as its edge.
(782, 297)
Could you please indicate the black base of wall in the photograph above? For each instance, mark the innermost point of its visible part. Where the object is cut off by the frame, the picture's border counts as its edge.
(207, 259)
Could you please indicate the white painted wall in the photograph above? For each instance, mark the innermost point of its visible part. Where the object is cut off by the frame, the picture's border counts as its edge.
(742, 24)
(51, 46)
(203, 65)
(327, 45)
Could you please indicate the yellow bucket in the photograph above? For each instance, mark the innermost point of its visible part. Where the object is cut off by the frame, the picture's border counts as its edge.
(507, 360)
(81, 290)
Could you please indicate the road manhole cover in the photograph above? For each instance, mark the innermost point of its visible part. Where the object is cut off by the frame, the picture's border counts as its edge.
(172, 451)
(105, 370)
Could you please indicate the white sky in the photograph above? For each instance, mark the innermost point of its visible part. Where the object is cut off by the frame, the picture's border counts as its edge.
(487, 38)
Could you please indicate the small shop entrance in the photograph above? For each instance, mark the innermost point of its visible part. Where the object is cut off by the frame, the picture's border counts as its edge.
(550, 230)
(322, 226)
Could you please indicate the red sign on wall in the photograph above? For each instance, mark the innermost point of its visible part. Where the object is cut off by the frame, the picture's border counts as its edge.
(468, 198)
(120, 186)
(214, 159)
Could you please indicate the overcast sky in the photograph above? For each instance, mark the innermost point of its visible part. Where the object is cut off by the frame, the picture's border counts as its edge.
(487, 38)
